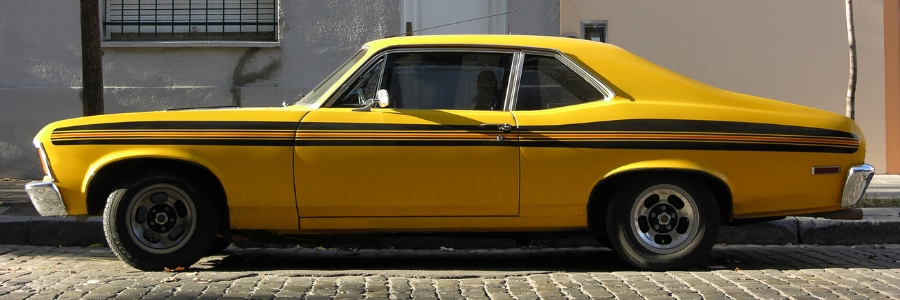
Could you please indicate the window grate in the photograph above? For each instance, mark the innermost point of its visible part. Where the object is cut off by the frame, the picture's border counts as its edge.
(217, 20)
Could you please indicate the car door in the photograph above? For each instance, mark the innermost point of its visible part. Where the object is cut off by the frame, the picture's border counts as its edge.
(443, 146)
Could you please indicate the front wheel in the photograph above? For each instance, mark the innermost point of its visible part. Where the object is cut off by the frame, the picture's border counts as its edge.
(156, 220)
(663, 224)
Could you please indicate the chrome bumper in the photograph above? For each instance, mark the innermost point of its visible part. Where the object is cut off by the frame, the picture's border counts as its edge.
(46, 199)
(857, 181)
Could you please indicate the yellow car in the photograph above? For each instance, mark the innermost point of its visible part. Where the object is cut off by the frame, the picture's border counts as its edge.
(462, 134)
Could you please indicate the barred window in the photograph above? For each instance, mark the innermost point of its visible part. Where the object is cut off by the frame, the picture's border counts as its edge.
(203, 20)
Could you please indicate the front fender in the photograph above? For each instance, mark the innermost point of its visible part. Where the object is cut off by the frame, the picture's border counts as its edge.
(145, 153)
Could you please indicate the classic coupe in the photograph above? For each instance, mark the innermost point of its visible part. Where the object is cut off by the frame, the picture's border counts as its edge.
(480, 134)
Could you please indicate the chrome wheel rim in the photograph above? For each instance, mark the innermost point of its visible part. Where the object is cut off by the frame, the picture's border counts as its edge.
(664, 219)
(161, 218)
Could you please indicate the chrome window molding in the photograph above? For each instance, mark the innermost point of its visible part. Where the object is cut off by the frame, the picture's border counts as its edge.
(512, 89)
(375, 58)
(518, 62)
(356, 74)
(597, 83)
(515, 75)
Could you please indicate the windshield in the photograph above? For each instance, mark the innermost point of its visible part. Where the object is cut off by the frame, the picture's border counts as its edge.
(329, 81)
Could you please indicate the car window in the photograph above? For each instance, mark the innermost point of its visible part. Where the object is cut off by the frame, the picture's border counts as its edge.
(546, 82)
(435, 80)
(364, 88)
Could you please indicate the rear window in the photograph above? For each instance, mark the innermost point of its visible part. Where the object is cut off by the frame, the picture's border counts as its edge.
(547, 82)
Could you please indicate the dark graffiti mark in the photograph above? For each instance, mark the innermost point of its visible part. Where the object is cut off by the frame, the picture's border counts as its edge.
(239, 78)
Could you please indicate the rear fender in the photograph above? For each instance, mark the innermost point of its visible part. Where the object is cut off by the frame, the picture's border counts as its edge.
(612, 180)
(670, 165)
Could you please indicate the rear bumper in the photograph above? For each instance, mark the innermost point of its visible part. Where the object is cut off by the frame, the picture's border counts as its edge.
(857, 181)
(46, 199)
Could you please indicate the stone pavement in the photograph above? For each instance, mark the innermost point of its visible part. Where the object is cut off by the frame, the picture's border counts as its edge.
(13, 199)
(763, 272)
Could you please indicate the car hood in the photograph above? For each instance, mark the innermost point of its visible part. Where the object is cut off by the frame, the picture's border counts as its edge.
(258, 116)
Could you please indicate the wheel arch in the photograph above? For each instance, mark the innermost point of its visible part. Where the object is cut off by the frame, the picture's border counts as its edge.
(605, 188)
(103, 179)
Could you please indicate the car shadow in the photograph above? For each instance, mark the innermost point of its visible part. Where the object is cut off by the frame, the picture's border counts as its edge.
(539, 260)
(585, 259)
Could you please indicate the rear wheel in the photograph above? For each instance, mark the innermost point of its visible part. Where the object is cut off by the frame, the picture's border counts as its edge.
(156, 220)
(663, 224)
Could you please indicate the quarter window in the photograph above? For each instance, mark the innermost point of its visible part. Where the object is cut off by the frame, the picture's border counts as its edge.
(435, 80)
(210, 20)
(548, 83)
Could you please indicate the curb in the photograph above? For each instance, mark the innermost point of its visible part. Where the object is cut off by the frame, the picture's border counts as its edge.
(51, 231)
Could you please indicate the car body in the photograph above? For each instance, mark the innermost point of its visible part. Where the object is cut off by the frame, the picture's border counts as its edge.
(463, 134)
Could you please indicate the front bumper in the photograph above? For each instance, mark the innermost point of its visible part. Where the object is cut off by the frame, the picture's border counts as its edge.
(46, 199)
(857, 181)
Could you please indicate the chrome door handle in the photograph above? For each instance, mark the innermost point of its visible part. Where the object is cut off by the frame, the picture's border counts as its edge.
(502, 127)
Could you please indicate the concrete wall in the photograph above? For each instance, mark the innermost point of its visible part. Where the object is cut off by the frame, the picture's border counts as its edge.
(534, 17)
(794, 51)
(40, 61)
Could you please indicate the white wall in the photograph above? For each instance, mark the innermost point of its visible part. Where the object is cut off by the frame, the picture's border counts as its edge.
(429, 17)
(794, 51)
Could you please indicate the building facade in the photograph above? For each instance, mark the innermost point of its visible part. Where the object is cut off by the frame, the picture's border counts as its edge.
(160, 54)
(794, 51)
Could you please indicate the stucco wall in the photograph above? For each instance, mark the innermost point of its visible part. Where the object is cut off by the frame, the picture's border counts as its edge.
(794, 51)
(40, 64)
(40, 61)
(534, 17)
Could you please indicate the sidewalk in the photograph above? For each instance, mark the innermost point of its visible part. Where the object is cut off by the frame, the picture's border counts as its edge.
(21, 224)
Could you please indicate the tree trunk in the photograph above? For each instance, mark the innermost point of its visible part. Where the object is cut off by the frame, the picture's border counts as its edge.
(851, 86)
(91, 60)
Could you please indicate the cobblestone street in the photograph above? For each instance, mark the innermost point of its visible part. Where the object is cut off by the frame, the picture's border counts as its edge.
(770, 272)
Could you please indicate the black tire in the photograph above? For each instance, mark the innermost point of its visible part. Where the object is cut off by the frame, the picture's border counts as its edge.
(219, 245)
(603, 240)
(156, 220)
(652, 233)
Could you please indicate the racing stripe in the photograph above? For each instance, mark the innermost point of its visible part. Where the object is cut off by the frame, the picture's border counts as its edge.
(625, 134)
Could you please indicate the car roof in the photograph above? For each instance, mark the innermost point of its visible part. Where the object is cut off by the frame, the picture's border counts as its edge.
(486, 40)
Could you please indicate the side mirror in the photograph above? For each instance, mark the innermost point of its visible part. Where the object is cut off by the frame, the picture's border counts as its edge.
(381, 96)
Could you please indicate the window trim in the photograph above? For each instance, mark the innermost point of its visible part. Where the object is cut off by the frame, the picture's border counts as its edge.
(598, 84)
(512, 89)
(375, 58)
(593, 80)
